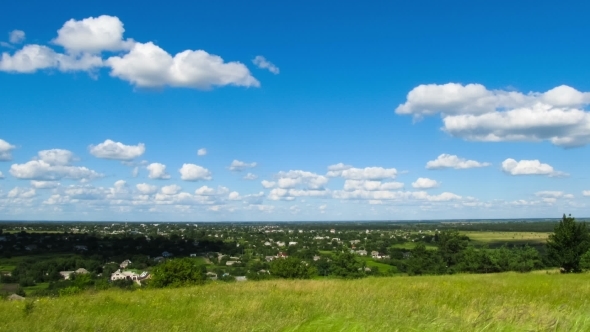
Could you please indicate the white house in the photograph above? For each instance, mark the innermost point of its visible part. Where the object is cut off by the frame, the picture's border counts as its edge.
(124, 264)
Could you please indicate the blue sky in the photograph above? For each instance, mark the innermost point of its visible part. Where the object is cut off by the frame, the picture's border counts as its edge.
(418, 110)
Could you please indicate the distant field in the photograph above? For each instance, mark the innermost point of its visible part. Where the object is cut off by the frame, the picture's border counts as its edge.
(412, 245)
(494, 302)
(500, 238)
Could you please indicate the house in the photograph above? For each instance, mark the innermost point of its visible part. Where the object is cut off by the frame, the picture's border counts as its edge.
(374, 253)
(269, 258)
(129, 275)
(230, 263)
(407, 255)
(355, 241)
(333, 231)
(241, 278)
(361, 252)
(282, 255)
(124, 264)
(267, 243)
(280, 243)
(211, 275)
(292, 243)
(81, 271)
(316, 258)
(66, 274)
(193, 255)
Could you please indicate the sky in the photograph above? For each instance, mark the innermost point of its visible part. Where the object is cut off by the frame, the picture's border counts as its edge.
(288, 111)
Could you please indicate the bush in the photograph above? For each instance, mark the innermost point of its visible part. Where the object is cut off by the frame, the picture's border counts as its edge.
(178, 272)
(292, 268)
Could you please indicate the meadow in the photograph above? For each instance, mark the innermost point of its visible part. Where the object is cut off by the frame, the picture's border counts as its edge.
(544, 301)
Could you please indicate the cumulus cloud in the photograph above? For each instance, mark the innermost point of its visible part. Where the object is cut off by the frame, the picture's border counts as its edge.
(202, 152)
(192, 172)
(44, 184)
(452, 161)
(425, 183)
(170, 190)
(586, 193)
(234, 196)
(350, 185)
(250, 176)
(383, 195)
(268, 184)
(475, 113)
(56, 156)
(146, 189)
(33, 57)
(205, 191)
(157, 171)
(238, 166)
(52, 165)
(147, 65)
(550, 194)
(16, 36)
(292, 179)
(141, 64)
(262, 63)
(6, 150)
(116, 150)
(529, 167)
(367, 173)
(18, 192)
(93, 35)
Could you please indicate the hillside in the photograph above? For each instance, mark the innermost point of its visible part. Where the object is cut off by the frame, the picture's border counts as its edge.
(494, 302)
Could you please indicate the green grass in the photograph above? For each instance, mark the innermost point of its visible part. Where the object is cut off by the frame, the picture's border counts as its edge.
(494, 302)
(501, 238)
(38, 286)
(412, 245)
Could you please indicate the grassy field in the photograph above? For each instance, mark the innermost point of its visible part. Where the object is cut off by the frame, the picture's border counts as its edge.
(494, 302)
(412, 245)
(494, 239)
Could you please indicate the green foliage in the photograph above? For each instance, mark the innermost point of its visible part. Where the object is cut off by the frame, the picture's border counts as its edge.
(28, 308)
(20, 291)
(585, 261)
(68, 291)
(569, 241)
(450, 246)
(292, 268)
(178, 272)
(345, 265)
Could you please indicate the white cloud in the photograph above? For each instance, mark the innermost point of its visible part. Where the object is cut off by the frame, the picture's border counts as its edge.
(147, 65)
(16, 36)
(529, 167)
(268, 184)
(116, 150)
(586, 193)
(262, 63)
(1, 175)
(239, 166)
(250, 176)
(41, 170)
(135, 172)
(170, 190)
(202, 152)
(383, 195)
(93, 35)
(146, 189)
(234, 196)
(425, 183)
(157, 171)
(474, 113)
(310, 180)
(56, 156)
(290, 194)
(205, 191)
(550, 194)
(192, 172)
(34, 57)
(350, 185)
(452, 161)
(44, 184)
(6, 150)
(367, 173)
(18, 192)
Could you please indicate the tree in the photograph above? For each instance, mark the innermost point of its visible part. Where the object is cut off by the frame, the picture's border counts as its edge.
(291, 268)
(345, 265)
(569, 241)
(178, 272)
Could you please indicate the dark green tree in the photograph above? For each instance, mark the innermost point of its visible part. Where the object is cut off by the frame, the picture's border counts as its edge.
(569, 241)
(345, 265)
(292, 268)
(178, 272)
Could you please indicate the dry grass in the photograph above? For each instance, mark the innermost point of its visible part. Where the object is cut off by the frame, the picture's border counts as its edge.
(495, 302)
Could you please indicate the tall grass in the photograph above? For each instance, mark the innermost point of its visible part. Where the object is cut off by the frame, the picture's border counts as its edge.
(494, 302)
